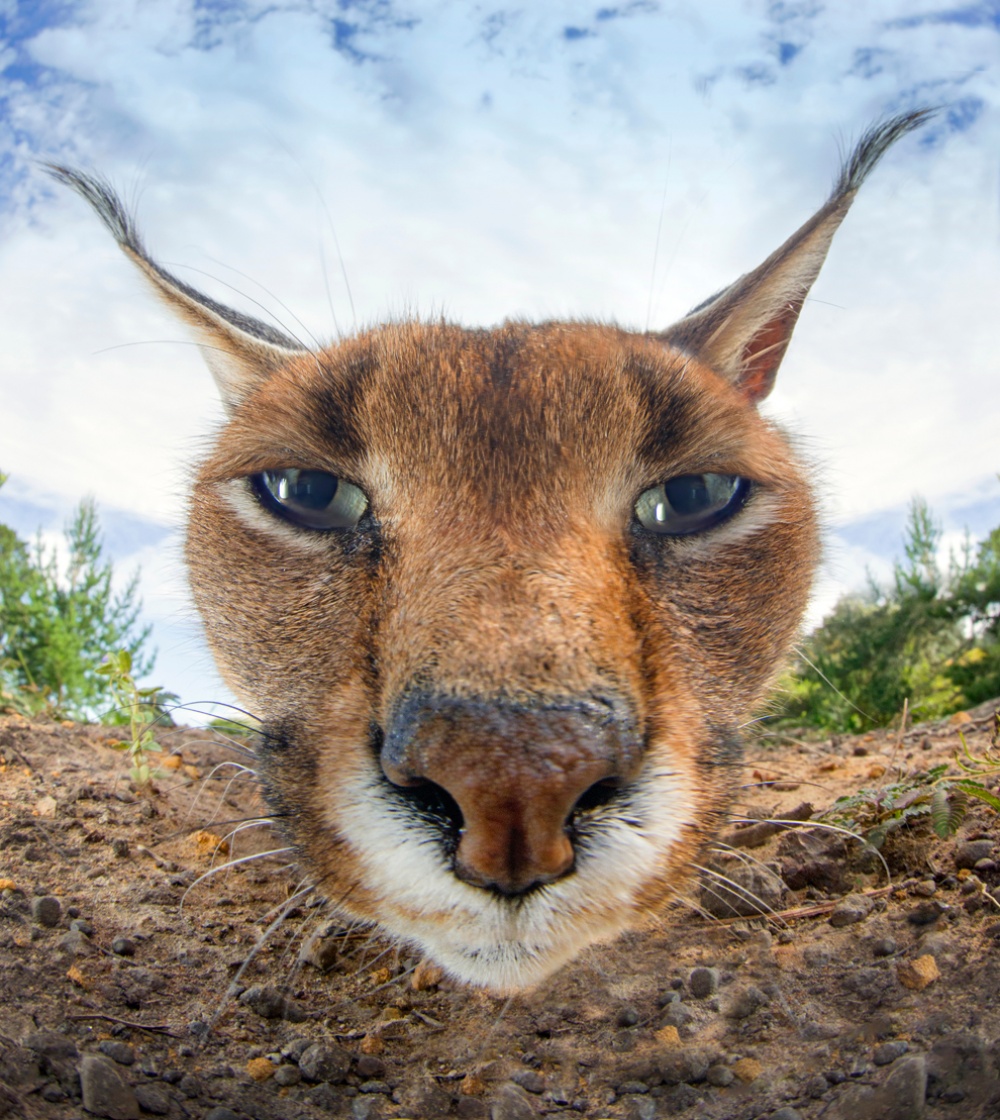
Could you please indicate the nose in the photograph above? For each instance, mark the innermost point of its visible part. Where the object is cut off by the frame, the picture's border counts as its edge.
(516, 772)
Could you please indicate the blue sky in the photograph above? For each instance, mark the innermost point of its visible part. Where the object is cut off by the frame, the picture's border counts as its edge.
(338, 161)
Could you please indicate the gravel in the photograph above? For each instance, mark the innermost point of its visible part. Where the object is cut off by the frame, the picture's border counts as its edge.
(855, 908)
(324, 1062)
(703, 982)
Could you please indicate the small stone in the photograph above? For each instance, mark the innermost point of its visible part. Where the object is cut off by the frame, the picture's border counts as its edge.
(720, 1076)
(627, 1017)
(746, 1002)
(703, 982)
(903, 1094)
(426, 975)
(323, 1062)
(287, 1075)
(386, 1088)
(885, 947)
(105, 1093)
(926, 913)
(632, 1087)
(854, 908)
(260, 1069)
(684, 1064)
(888, 1052)
(81, 924)
(817, 956)
(372, 1044)
(635, 1106)
(970, 852)
(190, 1086)
(786, 1113)
(152, 1100)
(740, 890)
(669, 1035)
(120, 847)
(677, 1015)
(46, 910)
(529, 1079)
(51, 1044)
(469, 1086)
(222, 1114)
(368, 1066)
(747, 1069)
(511, 1102)
(123, 947)
(295, 1048)
(74, 943)
(816, 1086)
(918, 974)
(269, 1003)
(119, 1052)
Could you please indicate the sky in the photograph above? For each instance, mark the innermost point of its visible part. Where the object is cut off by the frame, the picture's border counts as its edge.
(325, 164)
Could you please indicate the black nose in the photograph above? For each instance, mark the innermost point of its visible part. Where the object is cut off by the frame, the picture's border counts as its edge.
(516, 772)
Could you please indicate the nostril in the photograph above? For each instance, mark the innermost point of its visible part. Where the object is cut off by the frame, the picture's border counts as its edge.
(433, 803)
(596, 796)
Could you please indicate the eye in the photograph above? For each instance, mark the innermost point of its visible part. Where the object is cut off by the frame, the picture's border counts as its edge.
(691, 503)
(312, 499)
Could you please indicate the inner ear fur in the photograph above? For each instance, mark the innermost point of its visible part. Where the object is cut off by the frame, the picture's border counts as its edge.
(743, 331)
(241, 352)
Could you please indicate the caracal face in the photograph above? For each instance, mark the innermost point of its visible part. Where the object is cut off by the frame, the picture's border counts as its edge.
(503, 598)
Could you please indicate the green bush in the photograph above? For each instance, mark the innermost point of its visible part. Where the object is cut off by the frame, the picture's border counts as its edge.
(931, 636)
(57, 627)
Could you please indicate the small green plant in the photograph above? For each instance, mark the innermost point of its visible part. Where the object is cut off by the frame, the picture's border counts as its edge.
(939, 793)
(140, 709)
(59, 615)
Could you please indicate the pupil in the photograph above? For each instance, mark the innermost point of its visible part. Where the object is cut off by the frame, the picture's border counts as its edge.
(312, 490)
(688, 494)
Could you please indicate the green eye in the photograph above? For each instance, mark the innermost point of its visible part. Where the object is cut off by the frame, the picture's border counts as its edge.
(312, 499)
(691, 503)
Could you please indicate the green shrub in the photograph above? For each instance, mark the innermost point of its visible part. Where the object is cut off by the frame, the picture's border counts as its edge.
(931, 636)
(56, 626)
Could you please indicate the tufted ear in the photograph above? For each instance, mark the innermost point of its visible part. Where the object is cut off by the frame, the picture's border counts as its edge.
(743, 331)
(241, 352)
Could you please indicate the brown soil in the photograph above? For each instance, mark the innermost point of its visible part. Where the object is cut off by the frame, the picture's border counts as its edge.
(800, 1019)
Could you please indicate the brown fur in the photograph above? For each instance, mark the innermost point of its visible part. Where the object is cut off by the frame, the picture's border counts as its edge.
(499, 626)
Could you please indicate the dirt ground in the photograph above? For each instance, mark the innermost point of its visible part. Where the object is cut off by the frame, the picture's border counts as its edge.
(130, 987)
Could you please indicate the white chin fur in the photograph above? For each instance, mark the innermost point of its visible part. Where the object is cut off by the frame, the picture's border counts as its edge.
(510, 944)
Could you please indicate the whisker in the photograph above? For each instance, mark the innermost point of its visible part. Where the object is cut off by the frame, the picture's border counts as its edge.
(231, 864)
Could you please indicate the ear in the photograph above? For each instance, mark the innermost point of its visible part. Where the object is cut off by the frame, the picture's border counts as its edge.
(743, 332)
(241, 352)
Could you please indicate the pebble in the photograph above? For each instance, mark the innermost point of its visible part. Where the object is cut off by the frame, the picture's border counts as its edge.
(747, 1069)
(854, 908)
(287, 1075)
(105, 1093)
(123, 947)
(51, 1044)
(119, 1052)
(817, 956)
(74, 942)
(83, 926)
(720, 1076)
(918, 974)
(322, 1062)
(529, 1079)
(152, 1100)
(511, 1102)
(703, 982)
(754, 890)
(746, 1002)
(269, 1003)
(260, 1069)
(222, 1114)
(885, 947)
(683, 1064)
(369, 1066)
(905, 1089)
(678, 1014)
(627, 1017)
(970, 852)
(46, 910)
(638, 1107)
(786, 1114)
(888, 1052)
(120, 847)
